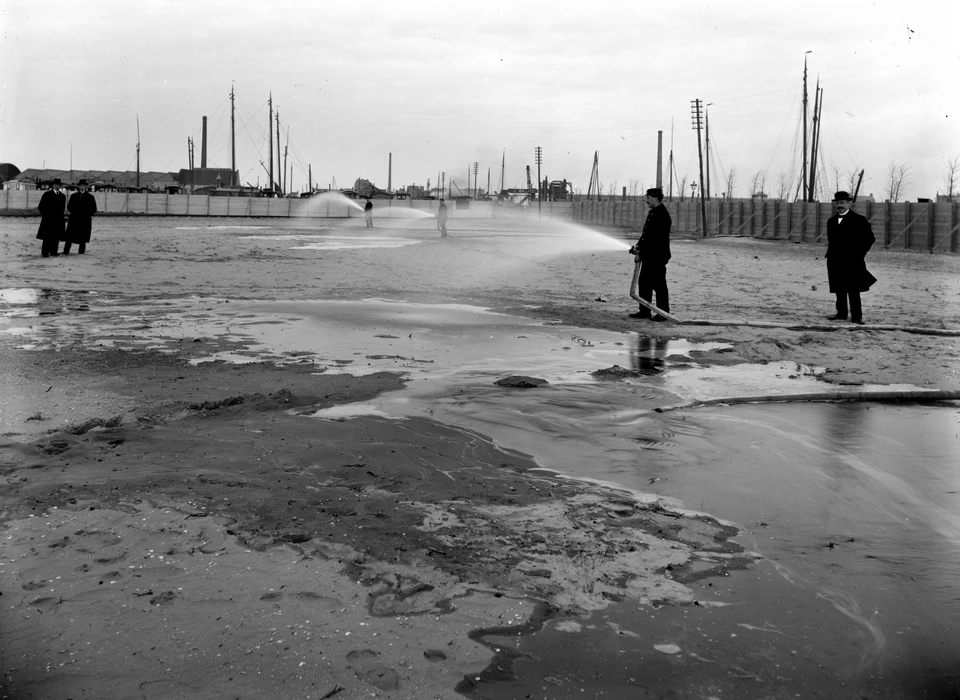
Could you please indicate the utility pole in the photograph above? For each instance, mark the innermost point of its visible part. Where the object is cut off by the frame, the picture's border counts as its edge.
(476, 187)
(270, 138)
(488, 180)
(697, 115)
(806, 191)
(503, 168)
(138, 152)
(538, 153)
(706, 121)
(671, 166)
(309, 178)
(659, 158)
(233, 141)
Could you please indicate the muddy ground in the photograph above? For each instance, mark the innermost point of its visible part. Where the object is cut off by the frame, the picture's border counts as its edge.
(184, 530)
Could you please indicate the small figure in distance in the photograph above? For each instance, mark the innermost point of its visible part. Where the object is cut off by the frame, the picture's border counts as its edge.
(442, 219)
(849, 237)
(52, 205)
(82, 207)
(651, 254)
(368, 213)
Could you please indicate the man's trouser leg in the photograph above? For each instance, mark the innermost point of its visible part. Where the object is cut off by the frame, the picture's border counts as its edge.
(841, 304)
(856, 310)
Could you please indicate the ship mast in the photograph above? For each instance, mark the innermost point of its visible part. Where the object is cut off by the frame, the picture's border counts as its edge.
(233, 142)
(806, 192)
(270, 138)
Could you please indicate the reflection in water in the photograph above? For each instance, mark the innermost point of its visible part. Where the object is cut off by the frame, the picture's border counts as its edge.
(648, 353)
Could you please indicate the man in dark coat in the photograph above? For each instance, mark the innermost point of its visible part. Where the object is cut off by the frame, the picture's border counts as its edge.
(652, 252)
(849, 237)
(82, 207)
(52, 205)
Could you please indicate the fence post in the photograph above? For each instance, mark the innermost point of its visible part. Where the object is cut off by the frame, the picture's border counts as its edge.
(906, 231)
(886, 223)
(931, 215)
(953, 226)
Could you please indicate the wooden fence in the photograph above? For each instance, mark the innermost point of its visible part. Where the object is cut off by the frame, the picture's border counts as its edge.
(927, 226)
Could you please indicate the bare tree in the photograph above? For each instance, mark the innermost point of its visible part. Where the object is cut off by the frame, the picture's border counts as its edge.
(897, 178)
(951, 177)
(612, 189)
(837, 178)
(783, 185)
(636, 186)
(757, 183)
(731, 181)
(683, 187)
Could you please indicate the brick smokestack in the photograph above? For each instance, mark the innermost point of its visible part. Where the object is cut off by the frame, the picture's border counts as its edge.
(203, 145)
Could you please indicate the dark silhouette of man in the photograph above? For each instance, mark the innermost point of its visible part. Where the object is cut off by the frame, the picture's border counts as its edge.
(368, 213)
(652, 252)
(82, 207)
(52, 205)
(442, 219)
(849, 237)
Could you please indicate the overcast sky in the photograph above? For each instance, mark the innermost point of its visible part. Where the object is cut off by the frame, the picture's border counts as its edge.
(442, 85)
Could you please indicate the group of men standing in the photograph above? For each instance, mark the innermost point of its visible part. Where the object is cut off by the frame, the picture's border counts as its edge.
(849, 237)
(53, 205)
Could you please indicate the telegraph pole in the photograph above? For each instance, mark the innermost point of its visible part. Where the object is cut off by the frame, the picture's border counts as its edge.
(476, 186)
(660, 159)
(538, 154)
(233, 142)
(696, 112)
(706, 121)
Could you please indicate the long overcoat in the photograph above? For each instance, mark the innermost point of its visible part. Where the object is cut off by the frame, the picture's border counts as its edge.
(82, 207)
(52, 205)
(654, 244)
(847, 246)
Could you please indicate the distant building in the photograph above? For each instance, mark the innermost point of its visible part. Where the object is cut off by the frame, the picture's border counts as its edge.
(98, 180)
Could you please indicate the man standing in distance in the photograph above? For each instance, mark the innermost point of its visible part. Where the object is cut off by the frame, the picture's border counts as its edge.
(82, 207)
(652, 252)
(52, 205)
(368, 213)
(442, 219)
(849, 237)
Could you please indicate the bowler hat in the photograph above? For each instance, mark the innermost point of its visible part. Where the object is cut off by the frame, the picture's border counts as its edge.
(841, 195)
(655, 192)
(56, 181)
(82, 182)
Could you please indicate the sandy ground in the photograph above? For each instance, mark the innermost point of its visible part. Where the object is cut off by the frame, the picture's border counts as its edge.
(181, 530)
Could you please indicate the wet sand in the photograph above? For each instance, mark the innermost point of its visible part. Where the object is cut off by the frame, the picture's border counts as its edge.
(175, 529)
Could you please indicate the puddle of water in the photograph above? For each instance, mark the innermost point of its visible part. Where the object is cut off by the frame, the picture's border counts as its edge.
(880, 482)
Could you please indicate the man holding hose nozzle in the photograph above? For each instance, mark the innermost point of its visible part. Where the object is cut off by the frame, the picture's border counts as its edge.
(651, 254)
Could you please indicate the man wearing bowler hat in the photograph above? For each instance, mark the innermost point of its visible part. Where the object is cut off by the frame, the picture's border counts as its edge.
(652, 252)
(82, 207)
(849, 237)
(52, 205)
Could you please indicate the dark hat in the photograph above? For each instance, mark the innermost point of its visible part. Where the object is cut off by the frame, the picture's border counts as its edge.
(655, 192)
(82, 182)
(56, 181)
(841, 195)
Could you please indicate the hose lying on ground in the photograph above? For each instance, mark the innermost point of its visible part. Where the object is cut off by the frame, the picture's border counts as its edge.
(823, 327)
(890, 395)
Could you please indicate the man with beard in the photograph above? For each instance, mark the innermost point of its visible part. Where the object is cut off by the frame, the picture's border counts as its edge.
(82, 207)
(849, 237)
(52, 205)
